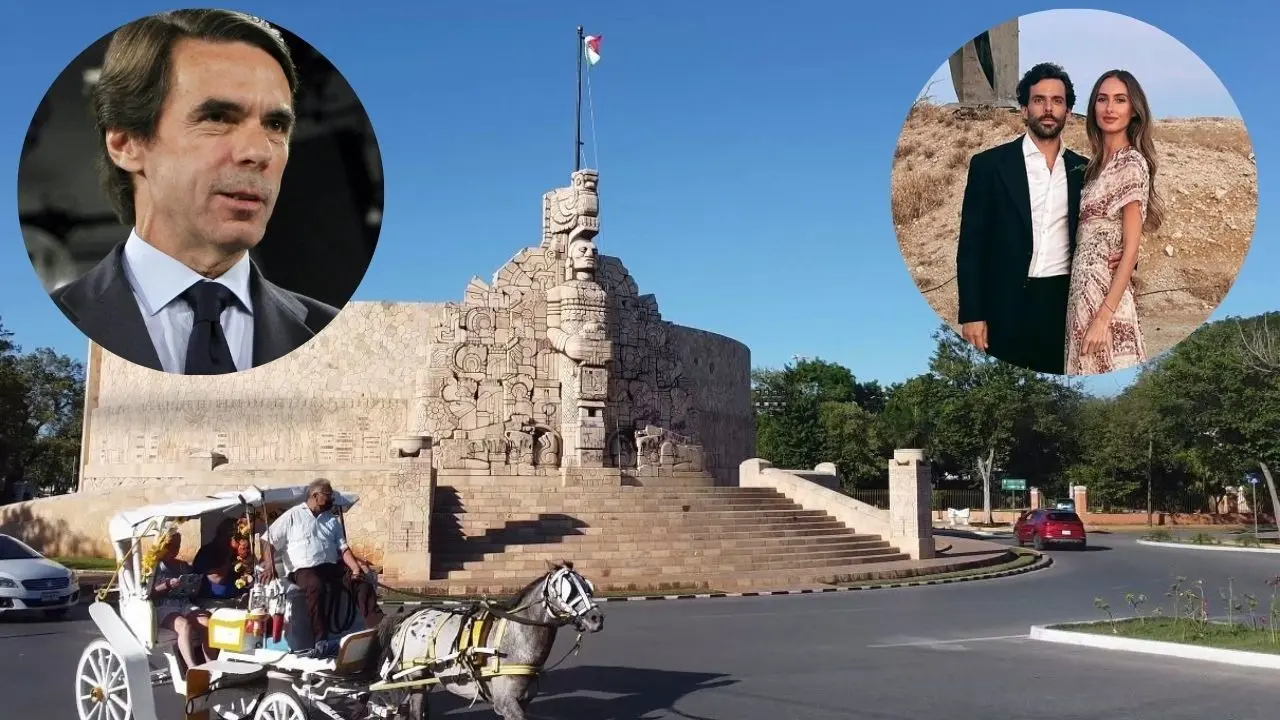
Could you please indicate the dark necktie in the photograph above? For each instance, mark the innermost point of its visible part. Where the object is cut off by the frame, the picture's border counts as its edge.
(207, 349)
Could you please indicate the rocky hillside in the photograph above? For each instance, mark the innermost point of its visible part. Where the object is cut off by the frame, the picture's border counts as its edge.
(1207, 179)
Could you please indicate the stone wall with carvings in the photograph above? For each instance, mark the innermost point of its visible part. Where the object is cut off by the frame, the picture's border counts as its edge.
(338, 399)
(559, 365)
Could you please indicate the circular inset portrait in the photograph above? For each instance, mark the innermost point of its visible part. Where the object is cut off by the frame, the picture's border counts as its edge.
(1074, 192)
(200, 192)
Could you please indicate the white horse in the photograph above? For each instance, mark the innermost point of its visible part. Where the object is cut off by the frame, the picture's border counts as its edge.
(486, 651)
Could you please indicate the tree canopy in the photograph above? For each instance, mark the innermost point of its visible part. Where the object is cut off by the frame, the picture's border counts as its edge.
(1196, 420)
(41, 407)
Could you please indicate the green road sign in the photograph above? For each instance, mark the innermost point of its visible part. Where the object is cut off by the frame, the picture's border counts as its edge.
(1013, 484)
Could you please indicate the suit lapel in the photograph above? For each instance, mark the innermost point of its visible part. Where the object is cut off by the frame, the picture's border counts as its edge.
(111, 316)
(1013, 172)
(279, 321)
(1075, 183)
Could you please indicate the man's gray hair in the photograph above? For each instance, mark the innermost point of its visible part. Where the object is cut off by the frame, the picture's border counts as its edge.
(319, 484)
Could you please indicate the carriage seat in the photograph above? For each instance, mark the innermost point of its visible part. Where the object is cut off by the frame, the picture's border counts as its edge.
(353, 648)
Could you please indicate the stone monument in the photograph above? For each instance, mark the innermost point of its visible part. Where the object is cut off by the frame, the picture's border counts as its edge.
(984, 71)
(557, 372)
(559, 366)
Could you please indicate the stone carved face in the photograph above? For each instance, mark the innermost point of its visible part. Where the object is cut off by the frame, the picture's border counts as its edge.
(582, 256)
(586, 180)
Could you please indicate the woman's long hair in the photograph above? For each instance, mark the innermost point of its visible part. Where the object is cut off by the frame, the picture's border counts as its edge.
(1140, 130)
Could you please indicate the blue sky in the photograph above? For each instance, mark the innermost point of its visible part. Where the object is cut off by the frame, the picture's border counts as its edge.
(1087, 43)
(744, 147)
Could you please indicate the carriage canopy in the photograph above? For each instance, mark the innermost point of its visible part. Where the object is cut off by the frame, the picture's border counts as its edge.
(145, 520)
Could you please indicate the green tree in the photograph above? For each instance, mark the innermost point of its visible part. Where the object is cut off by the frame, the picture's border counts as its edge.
(41, 404)
(850, 439)
(989, 409)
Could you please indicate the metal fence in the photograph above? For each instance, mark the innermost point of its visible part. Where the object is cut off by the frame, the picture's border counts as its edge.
(1181, 501)
(1176, 501)
(944, 499)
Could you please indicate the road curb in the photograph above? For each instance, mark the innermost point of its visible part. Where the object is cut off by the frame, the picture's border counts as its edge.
(1044, 561)
(1219, 548)
(1154, 647)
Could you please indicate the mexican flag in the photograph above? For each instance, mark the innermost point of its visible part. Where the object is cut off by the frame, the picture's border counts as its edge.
(591, 44)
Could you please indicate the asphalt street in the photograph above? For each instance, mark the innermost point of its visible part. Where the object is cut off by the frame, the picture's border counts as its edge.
(956, 651)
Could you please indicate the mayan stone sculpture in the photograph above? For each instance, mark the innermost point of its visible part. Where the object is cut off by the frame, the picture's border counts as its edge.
(559, 365)
(984, 71)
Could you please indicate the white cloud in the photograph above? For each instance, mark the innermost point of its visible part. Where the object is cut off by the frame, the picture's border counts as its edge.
(1087, 43)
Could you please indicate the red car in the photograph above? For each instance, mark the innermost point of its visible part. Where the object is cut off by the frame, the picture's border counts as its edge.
(1050, 527)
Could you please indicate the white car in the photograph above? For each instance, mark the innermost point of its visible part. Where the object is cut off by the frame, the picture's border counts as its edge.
(30, 581)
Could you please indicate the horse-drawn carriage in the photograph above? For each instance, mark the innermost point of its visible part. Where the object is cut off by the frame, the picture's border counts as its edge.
(267, 664)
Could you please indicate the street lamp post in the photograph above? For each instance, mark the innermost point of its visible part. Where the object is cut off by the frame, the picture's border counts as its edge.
(1253, 480)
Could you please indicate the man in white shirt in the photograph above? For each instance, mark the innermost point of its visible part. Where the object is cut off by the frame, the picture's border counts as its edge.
(317, 558)
(194, 113)
(1018, 232)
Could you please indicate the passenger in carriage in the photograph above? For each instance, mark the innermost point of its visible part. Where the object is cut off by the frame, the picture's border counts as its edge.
(172, 587)
(315, 547)
(216, 561)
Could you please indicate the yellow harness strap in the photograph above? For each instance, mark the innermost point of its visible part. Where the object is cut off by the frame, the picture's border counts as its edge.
(479, 630)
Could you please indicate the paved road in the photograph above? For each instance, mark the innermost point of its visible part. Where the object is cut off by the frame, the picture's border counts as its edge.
(939, 651)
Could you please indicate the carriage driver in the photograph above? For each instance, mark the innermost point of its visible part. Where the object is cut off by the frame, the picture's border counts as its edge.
(315, 548)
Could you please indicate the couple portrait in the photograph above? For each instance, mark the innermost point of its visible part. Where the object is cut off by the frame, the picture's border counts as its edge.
(1049, 238)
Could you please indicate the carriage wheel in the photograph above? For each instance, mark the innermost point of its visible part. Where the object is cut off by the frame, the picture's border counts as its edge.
(279, 705)
(234, 710)
(102, 687)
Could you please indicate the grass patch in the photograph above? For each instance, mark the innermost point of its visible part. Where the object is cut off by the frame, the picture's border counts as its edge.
(86, 563)
(1243, 539)
(916, 193)
(1223, 636)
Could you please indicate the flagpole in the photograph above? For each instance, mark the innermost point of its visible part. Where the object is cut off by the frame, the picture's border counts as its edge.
(577, 138)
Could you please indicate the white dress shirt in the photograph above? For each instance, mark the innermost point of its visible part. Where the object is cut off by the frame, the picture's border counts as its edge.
(307, 539)
(1050, 231)
(158, 282)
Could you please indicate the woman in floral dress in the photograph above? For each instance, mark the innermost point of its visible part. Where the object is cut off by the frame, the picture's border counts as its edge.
(1118, 204)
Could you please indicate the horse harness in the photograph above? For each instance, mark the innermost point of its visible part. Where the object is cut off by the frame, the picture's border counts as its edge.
(480, 631)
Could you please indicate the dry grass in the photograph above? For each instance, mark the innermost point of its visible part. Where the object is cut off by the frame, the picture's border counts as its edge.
(1206, 177)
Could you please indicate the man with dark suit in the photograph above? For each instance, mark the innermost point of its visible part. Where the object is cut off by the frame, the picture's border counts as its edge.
(1018, 232)
(194, 112)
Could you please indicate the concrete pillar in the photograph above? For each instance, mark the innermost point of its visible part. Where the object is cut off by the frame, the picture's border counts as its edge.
(910, 500)
(984, 71)
(1080, 494)
(1036, 500)
(410, 488)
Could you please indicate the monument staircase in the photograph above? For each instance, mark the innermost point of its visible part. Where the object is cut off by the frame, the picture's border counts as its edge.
(685, 533)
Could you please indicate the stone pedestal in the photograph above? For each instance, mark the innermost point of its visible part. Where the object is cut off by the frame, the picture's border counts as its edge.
(411, 489)
(910, 500)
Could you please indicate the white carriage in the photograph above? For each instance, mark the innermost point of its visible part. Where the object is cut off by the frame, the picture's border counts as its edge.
(256, 676)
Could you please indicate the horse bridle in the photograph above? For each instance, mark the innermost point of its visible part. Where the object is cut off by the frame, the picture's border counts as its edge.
(566, 595)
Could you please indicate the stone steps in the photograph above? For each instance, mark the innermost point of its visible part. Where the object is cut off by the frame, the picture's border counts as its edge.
(489, 494)
(541, 505)
(690, 560)
(490, 539)
(597, 570)
(612, 548)
(483, 545)
(649, 530)
(553, 517)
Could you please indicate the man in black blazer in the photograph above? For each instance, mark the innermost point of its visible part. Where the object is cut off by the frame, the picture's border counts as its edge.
(194, 113)
(1018, 232)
